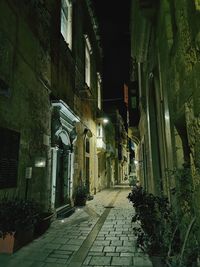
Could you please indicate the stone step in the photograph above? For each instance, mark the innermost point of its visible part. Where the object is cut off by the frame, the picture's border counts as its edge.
(65, 211)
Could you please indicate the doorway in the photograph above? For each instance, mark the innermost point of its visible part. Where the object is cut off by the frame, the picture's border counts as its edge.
(87, 164)
(61, 173)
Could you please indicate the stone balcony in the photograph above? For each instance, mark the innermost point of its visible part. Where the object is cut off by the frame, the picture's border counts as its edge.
(101, 145)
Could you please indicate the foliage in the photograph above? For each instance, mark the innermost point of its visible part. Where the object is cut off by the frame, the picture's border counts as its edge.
(162, 232)
(155, 221)
(132, 180)
(81, 195)
(184, 193)
(181, 260)
(17, 214)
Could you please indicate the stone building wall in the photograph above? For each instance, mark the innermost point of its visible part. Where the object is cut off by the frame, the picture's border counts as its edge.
(24, 107)
(38, 68)
(170, 55)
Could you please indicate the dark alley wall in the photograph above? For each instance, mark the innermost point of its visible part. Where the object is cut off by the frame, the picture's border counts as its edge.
(165, 47)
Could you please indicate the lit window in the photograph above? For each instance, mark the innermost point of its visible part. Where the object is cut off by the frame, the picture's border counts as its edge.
(88, 51)
(66, 21)
(87, 66)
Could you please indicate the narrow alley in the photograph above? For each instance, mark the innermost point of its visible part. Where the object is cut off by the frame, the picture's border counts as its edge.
(99, 234)
(95, 94)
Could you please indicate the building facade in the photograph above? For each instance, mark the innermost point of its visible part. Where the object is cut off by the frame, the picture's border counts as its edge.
(50, 98)
(117, 144)
(165, 66)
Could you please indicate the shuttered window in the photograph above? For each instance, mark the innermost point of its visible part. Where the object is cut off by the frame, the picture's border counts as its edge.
(66, 21)
(9, 153)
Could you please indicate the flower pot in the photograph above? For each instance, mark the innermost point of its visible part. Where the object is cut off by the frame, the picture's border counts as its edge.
(7, 243)
(12, 242)
(158, 261)
(43, 223)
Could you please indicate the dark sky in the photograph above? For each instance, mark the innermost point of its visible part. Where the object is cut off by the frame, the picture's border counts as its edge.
(113, 17)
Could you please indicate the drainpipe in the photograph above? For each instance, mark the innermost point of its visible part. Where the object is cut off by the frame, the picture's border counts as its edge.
(139, 80)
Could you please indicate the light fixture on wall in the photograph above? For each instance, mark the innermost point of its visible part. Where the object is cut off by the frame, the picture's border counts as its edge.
(40, 162)
(102, 120)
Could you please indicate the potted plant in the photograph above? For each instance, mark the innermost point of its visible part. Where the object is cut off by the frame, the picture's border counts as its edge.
(154, 224)
(17, 219)
(81, 195)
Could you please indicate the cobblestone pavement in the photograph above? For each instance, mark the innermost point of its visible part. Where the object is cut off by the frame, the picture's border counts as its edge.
(98, 235)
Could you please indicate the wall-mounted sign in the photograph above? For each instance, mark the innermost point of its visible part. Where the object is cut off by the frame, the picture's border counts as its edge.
(28, 173)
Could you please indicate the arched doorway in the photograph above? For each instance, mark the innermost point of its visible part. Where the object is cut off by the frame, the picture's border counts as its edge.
(62, 194)
(63, 137)
(61, 170)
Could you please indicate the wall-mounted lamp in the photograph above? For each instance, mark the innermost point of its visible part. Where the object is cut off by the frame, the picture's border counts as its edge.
(40, 162)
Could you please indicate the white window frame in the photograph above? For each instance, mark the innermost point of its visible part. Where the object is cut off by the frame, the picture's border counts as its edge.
(87, 66)
(98, 91)
(88, 52)
(66, 21)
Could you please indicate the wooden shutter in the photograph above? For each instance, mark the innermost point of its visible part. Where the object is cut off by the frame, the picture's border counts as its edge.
(9, 153)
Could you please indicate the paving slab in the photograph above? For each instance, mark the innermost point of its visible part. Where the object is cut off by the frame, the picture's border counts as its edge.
(99, 260)
(122, 261)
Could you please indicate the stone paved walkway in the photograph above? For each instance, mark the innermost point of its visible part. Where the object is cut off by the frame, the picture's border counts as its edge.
(98, 235)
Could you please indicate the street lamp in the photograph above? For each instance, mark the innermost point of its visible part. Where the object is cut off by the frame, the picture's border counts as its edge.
(105, 120)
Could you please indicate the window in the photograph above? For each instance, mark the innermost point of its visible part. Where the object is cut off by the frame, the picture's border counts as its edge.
(66, 21)
(9, 143)
(87, 163)
(87, 66)
(87, 145)
(99, 91)
(88, 51)
(99, 130)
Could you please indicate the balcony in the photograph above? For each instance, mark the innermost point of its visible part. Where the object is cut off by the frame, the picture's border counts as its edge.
(101, 146)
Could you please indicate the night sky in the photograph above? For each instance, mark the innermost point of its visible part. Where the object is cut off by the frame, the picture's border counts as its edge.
(113, 17)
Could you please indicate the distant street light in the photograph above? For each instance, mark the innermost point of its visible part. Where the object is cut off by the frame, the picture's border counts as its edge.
(105, 120)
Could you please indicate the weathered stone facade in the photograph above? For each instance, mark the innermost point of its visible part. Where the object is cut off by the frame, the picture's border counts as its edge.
(25, 102)
(45, 99)
(165, 47)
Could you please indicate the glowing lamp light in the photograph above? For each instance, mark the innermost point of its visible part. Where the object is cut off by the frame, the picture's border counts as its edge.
(105, 120)
(40, 162)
